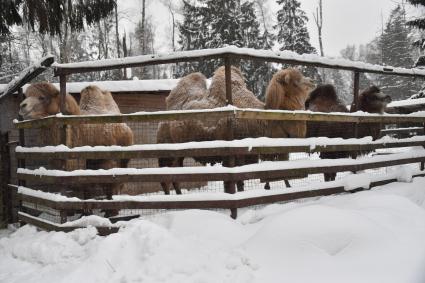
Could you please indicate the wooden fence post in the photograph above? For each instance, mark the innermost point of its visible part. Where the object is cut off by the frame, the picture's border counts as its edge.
(228, 77)
(62, 85)
(21, 162)
(356, 87)
(6, 201)
(229, 186)
(423, 163)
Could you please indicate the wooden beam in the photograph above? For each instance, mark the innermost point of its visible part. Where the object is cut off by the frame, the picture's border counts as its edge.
(242, 202)
(135, 153)
(356, 87)
(27, 75)
(214, 176)
(62, 86)
(228, 78)
(234, 53)
(50, 226)
(280, 115)
(124, 118)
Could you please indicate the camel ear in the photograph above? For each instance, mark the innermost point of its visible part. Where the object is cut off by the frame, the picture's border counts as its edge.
(285, 79)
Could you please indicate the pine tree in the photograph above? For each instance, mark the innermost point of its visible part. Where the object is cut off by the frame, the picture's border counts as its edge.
(144, 44)
(217, 23)
(257, 73)
(193, 34)
(292, 31)
(9, 15)
(418, 22)
(397, 51)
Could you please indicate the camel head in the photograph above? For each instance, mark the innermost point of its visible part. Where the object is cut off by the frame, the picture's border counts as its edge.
(42, 100)
(96, 101)
(372, 100)
(288, 90)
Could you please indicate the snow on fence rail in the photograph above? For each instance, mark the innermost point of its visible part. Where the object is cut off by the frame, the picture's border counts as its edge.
(264, 171)
(224, 112)
(208, 201)
(233, 52)
(256, 146)
(27, 75)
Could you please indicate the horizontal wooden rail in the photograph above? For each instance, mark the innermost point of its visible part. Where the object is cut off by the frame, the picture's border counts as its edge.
(327, 117)
(137, 117)
(51, 226)
(201, 174)
(417, 130)
(191, 150)
(219, 114)
(27, 75)
(232, 52)
(175, 203)
(86, 205)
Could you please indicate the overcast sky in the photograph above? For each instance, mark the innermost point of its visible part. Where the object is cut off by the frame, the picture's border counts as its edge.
(345, 21)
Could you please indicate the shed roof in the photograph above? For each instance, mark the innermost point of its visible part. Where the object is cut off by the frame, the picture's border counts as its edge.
(163, 85)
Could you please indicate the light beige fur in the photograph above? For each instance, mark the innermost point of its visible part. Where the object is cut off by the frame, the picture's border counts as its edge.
(93, 101)
(288, 90)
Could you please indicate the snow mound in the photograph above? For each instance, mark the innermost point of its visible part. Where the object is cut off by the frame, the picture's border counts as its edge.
(371, 236)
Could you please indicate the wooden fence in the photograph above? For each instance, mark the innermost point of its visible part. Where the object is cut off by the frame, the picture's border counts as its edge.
(36, 202)
(231, 149)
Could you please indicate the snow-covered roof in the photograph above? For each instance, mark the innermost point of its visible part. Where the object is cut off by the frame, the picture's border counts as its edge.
(268, 55)
(120, 86)
(407, 103)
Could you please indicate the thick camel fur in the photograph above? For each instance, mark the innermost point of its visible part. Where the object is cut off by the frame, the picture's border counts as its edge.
(192, 93)
(42, 99)
(325, 99)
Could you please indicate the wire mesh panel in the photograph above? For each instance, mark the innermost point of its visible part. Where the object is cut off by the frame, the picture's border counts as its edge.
(185, 131)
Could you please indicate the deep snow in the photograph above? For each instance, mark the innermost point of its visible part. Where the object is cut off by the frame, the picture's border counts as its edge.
(373, 236)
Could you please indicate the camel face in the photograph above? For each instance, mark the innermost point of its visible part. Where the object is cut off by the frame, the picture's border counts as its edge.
(42, 99)
(324, 99)
(288, 90)
(372, 100)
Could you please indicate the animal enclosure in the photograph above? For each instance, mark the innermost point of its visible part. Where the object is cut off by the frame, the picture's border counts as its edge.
(57, 185)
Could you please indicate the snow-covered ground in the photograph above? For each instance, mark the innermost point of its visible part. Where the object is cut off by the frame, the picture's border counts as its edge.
(373, 236)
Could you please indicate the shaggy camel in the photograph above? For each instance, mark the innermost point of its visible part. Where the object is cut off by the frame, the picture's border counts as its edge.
(371, 100)
(192, 93)
(42, 99)
(325, 99)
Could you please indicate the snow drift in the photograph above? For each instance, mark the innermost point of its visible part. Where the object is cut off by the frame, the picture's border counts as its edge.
(372, 236)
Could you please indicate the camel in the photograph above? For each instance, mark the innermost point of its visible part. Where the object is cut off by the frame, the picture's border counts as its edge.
(325, 99)
(371, 100)
(42, 99)
(192, 93)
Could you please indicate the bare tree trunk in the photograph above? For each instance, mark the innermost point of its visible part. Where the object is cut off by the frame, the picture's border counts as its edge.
(124, 50)
(10, 51)
(100, 43)
(106, 38)
(174, 28)
(63, 40)
(318, 18)
(117, 35)
(143, 26)
(260, 4)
